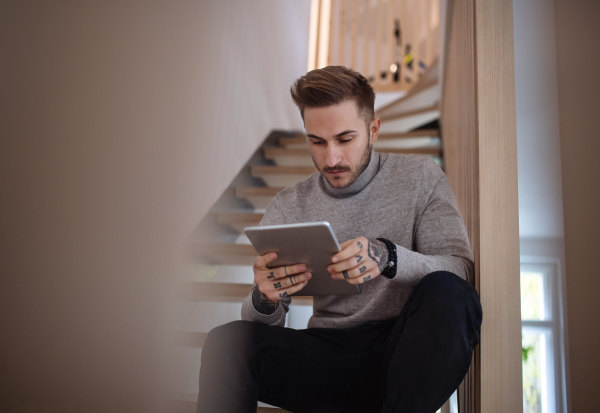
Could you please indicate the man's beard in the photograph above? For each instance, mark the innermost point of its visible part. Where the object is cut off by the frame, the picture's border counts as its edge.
(364, 162)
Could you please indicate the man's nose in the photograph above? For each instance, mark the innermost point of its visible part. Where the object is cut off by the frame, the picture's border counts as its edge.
(334, 156)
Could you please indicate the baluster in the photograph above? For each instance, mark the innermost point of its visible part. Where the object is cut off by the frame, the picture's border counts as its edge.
(367, 40)
(342, 33)
(354, 39)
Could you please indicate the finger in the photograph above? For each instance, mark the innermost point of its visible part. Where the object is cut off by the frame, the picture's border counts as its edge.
(352, 262)
(286, 282)
(346, 243)
(262, 260)
(352, 248)
(367, 276)
(286, 292)
(282, 272)
(354, 272)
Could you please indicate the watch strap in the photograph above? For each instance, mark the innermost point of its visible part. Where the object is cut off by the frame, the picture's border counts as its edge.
(389, 271)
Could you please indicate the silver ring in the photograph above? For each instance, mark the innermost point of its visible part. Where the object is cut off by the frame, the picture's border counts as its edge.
(345, 274)
(293, 279)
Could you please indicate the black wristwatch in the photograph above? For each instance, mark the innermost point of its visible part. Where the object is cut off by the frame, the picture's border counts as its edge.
(389, 271)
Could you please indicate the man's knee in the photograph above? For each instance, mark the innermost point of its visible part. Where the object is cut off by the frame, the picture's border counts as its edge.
(451, 294)
(228, 339)
(447, 285)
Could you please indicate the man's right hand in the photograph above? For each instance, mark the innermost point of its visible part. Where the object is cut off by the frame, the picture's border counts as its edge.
(277, 283)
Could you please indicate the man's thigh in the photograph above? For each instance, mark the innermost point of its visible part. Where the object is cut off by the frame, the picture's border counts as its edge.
(314, 370)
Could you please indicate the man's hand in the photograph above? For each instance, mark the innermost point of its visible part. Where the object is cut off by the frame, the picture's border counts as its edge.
(360, 260)
(277, 283)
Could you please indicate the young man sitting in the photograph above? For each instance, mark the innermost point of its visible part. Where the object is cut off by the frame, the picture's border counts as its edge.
(404, 343)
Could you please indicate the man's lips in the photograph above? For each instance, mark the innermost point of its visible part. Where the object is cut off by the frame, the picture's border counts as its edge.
(336, 171)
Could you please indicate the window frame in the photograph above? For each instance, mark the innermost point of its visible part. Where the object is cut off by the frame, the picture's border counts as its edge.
(551, 267)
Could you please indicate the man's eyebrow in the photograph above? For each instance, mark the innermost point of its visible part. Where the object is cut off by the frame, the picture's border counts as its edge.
(346, 132)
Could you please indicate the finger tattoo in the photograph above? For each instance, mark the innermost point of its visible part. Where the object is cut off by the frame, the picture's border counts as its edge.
(358, 258)
(284, 294)
(277, 285)
(271, 276)
(359, 244)
(362, 269)
(345, 274)
(367, 278)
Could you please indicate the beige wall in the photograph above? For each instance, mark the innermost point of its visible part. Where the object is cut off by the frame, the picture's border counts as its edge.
(121, 123)
(578, 59)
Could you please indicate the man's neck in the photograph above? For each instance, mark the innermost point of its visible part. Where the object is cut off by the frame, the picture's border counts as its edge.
(359, 183)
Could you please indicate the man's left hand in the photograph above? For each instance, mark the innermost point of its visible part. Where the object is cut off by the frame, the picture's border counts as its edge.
(360, 260)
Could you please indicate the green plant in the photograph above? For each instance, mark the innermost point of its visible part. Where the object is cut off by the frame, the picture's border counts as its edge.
(525, 352)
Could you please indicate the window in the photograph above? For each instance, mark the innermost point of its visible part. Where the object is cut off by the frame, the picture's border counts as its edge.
(542, 336)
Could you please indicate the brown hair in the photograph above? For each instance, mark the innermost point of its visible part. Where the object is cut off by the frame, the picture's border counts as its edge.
(333, 85)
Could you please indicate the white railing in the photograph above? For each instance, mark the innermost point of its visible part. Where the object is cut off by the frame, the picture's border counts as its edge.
(391, 42)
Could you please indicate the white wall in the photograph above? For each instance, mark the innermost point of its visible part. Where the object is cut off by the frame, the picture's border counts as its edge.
(538, 134)
(541, 222)
(121, 123)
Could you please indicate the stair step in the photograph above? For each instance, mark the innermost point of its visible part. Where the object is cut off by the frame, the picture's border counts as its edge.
(300, 141)
(258, 196)
(224, 292)
(186, 403)
(410, 113)
(432, 133)
(404, 123)
(282, 176)
(239, 221)
(195, 340)
(301, 157)
(225, 254)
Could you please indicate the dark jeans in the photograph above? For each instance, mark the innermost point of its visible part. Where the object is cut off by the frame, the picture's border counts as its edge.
(409, 364)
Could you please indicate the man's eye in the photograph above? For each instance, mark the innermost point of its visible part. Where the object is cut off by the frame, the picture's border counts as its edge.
(345, 140)
(317, 143)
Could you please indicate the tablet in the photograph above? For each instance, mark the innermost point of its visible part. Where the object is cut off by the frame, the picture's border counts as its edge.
(310, 243)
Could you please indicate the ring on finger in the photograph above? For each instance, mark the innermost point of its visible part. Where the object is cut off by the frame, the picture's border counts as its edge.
(293, 279)
(345, 274)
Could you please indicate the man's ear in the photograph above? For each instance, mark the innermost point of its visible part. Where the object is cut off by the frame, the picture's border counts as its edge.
(374, 130)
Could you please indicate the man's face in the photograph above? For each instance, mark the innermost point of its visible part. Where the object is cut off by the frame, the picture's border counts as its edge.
(338, 141)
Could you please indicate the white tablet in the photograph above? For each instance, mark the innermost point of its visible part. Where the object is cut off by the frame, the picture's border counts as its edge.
(313, 244)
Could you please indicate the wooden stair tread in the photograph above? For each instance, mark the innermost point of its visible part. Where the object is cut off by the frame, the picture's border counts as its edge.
(245, 191)
(187, 339)
(214, 291)
(235, 217)
(259, 170)
(409, 113)
(225, 254)
(412, 134)
(225, 249)
(429, 79)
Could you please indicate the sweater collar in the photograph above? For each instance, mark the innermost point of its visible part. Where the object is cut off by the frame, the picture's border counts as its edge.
(359, 184)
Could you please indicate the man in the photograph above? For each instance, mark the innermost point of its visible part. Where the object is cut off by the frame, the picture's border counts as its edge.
(405, 342)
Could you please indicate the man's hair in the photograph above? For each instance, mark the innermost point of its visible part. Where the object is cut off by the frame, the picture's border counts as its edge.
(333, 85)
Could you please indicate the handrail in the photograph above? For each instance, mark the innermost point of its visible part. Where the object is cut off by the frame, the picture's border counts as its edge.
(391, 42)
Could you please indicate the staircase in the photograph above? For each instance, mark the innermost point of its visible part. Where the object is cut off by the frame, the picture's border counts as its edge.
(223, 253)
(409, 125)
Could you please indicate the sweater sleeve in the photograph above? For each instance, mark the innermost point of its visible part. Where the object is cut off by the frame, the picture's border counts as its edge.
(273, 216)
(440, 241)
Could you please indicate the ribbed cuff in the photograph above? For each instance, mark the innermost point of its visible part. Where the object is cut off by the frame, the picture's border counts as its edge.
(261, 305)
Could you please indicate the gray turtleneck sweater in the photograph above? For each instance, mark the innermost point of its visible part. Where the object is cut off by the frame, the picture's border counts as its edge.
(404, 198)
